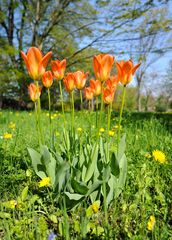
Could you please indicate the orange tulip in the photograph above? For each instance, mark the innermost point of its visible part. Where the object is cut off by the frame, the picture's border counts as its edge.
(47, 79)
(126, 71)
(58, 68)
(112, 83)
(102, 65)
(88, 93)
(96, 87)
(69, 82)
(35, 62)
(80, 79)
(34, 92)
(108, 95)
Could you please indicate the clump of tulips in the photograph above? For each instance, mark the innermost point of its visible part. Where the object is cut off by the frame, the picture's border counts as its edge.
(99, 171)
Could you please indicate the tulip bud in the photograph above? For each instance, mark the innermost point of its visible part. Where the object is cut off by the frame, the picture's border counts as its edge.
(47, 79)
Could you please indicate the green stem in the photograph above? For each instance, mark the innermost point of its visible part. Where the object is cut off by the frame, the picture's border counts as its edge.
(62, 101)
(121, 111)
(109, 115)
(49, 108)
(81, 99)
(72, 110)
(96, 110)
(37, 124)
(39, 114)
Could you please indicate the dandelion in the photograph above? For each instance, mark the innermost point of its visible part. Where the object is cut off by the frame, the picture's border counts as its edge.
(30, 114)
(117, 126)
(44, 182)
(101, 130)
(111, 133)
(52, 117)
(57, 134)
(151, 223)
(7, 136)
(79, 129)
(159, 156)
(12, 125)
(95, 207)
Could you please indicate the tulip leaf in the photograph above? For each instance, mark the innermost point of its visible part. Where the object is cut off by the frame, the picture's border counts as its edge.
(92, 163)
(36, 162)
(79, 187)
(114, 165)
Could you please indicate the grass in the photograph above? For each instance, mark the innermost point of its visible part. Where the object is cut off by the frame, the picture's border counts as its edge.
(147, 191)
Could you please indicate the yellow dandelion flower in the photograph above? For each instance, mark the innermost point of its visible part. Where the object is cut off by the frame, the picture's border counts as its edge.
(95, 206)
(7, 136)
(30, 114)
(57, 134)
(117, 126)
(111, 133)
(52, 117)
(55, 114)
(79, 129)
(151, 223)
(12, 125)
(12, 204)
(44, 182)
(101, 130)
(47, 114)
(159, 156)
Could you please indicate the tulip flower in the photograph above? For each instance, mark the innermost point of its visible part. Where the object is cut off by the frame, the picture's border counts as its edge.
(112, 83)
(108, 95)
(126, 71)
(35, 62)
(58, 68)
(47, 79)
(34, 92)
(102, 65)
(80, 79)
(69, 82)
(88, 93)
(96, 87)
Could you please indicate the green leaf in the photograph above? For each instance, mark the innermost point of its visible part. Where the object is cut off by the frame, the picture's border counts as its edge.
(74, 196)
(79, 187)
(5, 215)
(24, 193)
(36, 163)
(60, 175)
(121, 148)
(92, 163)
(114, 165)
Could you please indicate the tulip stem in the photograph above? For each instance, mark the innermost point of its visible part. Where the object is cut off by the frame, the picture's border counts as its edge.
(109, 115)
(96, 110)
(39, 113)
(121, 111)
(62, 101)
(37, 124)
(49, 108)
(72, 110)
(81, 99)
(89, 105)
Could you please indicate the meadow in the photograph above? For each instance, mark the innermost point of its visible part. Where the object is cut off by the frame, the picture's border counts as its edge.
(142, 210)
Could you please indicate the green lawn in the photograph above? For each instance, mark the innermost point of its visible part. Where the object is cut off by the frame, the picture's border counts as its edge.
(33, 213)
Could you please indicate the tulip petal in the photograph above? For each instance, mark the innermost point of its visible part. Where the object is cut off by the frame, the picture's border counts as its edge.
(34, 56)
(25, 60)
(96, 66)
(45, 59)
(135, 67)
